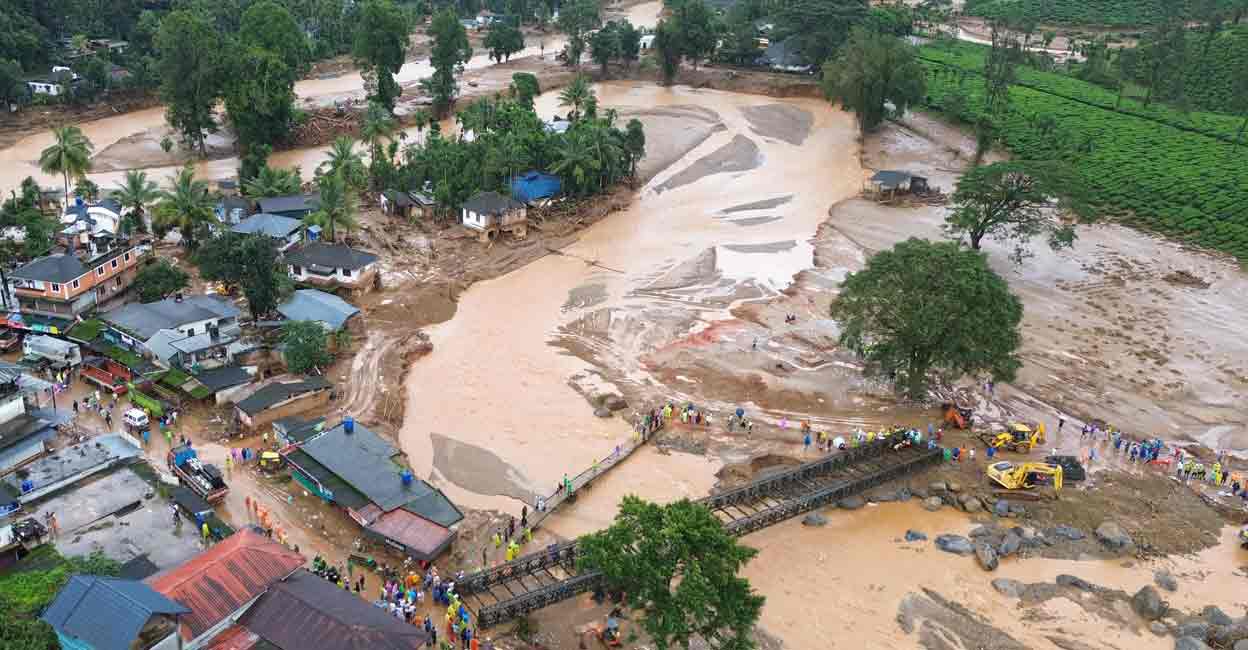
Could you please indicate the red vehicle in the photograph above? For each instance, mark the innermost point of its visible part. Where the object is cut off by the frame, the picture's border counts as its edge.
(107, 374)
(10, 340)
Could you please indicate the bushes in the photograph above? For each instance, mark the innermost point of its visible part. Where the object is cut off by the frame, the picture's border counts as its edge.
(28, 588)
(1171, 178)
(1116, 13)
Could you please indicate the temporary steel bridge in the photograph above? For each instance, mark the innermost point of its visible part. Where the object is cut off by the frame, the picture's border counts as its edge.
(534, 581)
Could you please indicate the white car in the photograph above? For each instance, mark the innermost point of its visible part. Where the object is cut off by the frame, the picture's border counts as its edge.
(135, 419)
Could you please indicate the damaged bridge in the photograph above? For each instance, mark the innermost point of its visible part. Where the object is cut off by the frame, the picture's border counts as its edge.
(534, 581)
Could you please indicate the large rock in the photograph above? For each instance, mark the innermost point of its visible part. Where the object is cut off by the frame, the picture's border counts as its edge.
(1158, 628)
(852, 502)
(1216, 616)
(954, 544)
(814, 519)
(1067, 580)
(1194, 628)
(1068, 532)
(1240, 645)
(1190, 643)
(954, 487)
(919, 492)
(937, 487)
(932, 504)
(983, 531)
(913, 535)
(1166, 581)
(1010, 545)
(1148, 604)
(1001, 508)
(904, 494)
(1017, 509)
(602, 412)
(882, 496)
(613, 402)
(986, 556)
(1114, 537)
(971, 503)
(1227, 635)
(1008, 587)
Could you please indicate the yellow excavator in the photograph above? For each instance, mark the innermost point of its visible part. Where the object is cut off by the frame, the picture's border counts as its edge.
(1017, 479)
(1019, 437)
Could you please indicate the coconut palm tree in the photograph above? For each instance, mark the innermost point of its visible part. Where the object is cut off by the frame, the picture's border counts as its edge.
(575, 94)
(136, 193)
(274, 182)
(69, 155)
(378, 125)
(187, 207)
(337, 207)
(344, 160)
(575, 163)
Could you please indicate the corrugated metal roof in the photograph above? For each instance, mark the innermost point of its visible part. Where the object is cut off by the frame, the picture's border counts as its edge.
(280, 392)
(305, 611)
(106, 613)
(273, 225)
(334, 256)
(314, 305)
(215, 583)
(424, 539)
(365, 461)
(146, 319)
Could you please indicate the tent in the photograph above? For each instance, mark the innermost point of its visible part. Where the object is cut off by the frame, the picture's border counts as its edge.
(533, 185)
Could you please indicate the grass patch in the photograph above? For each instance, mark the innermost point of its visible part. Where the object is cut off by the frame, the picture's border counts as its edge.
(87, 330)
(33, 583)
(123, 356)
(201, 392)
(175, 378)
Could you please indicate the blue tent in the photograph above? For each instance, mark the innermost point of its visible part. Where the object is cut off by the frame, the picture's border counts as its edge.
(533, 185)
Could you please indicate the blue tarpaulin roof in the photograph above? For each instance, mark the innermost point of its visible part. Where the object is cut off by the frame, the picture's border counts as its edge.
(534, 185)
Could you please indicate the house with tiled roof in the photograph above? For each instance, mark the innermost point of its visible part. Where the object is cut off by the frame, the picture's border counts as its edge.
(220, 584)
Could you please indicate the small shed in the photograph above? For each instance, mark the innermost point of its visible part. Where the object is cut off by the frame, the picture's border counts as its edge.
(890, 182)
(425, 205)
(397, 204)
(489, 213)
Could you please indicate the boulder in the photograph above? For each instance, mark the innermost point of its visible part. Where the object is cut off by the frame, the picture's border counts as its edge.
(602, 412)
(814, 519)
(1240, 645)
(1017, 509)
(1001, 508)
(919, 492)
(852, 502)
(937, 487)
(1008, 587)
(1190, 643)
(1158, 628)
(903, 494)
(1113, 536)
(1148, 604)
(1166, 581)
(1194, 628)
(1225, 636)
(956, 544)
(954, 487)
(882, 496)
(971, 503)
(1068, 580)
(1216, 616)
(986, 556)
(1010, 545)
(932, 504)
(913, 535)
(614, 402)
(983, 531)
(1068, 532)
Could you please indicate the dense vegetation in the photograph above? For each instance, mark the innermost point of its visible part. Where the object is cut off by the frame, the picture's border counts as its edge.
(27, 588)
(1153, 167)
(1118, 13)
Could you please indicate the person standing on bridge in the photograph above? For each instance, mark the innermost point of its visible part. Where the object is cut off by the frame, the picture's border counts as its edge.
(524, 516)
(806, 444)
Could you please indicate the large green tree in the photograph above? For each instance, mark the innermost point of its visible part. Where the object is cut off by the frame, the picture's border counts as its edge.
(525, 87)
(11, 87)
(381, 38)
(249, 261)
(69, 155)
(699, 30)
(576, 19)
(191, 74)
(604, 46)
(575, 95)
(337, 205)
(271, 54)
(273, 181)
(270, 26)
(503, 40)
(158, 280)
(668, 49)
(306, 346)
(1012, 201)
(921, 307)
(873, 69)
(187, 207)
(677, 565)
(450, 52)
(818, 27)
(135, 193)
(342, 159)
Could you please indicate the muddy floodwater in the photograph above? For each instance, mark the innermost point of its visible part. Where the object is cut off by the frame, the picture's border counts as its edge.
(674, 262)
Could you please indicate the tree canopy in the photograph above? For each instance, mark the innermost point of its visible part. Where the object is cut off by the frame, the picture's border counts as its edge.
(679, 567)
(381, 38)
(576, 19)
(818, 27)
(159, 280)
(69, 155)
(249, 261)
(187, 207)
(306, 346)
(1008, 200)
(872, 69)
(190, 73)
(450, 52)
(272, 53)
(503, 40)
(924, 306)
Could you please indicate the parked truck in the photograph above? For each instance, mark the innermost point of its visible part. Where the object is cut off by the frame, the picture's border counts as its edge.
(107, 374)
(201, 478)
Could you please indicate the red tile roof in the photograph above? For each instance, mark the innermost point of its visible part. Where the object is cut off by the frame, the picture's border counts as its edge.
(217, 582)
(234, 637)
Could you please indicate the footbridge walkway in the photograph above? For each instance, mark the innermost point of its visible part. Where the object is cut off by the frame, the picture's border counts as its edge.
(534, 581)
